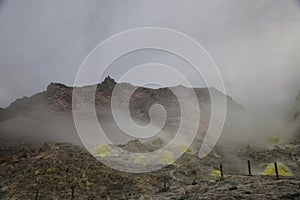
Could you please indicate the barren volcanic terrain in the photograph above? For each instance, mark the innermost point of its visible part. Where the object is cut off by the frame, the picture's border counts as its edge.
(42, 157)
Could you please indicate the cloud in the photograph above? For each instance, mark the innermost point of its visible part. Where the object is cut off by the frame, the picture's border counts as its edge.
(255, 44)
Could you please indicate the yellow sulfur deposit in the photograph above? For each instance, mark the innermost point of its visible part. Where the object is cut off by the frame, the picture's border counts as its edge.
(141, 159)
(216, 173)
(104, 150)
(88, 185)
(283, 170)
(166, 157)
(274, 140)
(49, 170)
(185, 149)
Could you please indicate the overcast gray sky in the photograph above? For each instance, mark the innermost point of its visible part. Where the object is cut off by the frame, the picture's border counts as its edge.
(256, 44)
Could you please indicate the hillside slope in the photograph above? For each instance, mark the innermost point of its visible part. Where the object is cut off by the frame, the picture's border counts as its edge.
(47, 116)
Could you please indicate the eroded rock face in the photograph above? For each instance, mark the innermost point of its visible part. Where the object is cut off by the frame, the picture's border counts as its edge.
(60, 96)
(50, 112)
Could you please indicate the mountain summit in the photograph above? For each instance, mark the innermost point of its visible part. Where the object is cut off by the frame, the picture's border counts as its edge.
(47, 116)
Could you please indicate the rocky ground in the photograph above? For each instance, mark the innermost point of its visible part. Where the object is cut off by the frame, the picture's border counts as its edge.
(54, 169)
(67, 171)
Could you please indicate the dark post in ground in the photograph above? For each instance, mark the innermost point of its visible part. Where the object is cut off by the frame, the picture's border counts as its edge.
(165, 182)
(249, 168)
(165, 188)
(194, 173)
(276, 170)
(221, 170)
(37, 194)
(72, 193)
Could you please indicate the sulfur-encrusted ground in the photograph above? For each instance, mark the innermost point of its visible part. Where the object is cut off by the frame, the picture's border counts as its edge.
(54, 169)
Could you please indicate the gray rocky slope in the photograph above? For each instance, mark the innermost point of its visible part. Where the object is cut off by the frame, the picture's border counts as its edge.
(28, 168)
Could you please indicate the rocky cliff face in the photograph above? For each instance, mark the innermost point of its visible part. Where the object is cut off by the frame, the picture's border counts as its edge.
(47, 116)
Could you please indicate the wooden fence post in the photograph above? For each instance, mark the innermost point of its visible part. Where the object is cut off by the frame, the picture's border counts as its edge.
(249, 168)
(276, 170)
(37, 194)
(221, 170)
(72, 193)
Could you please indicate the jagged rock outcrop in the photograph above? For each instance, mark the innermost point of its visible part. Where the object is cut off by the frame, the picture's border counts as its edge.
(60, 96)
(51, 110)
